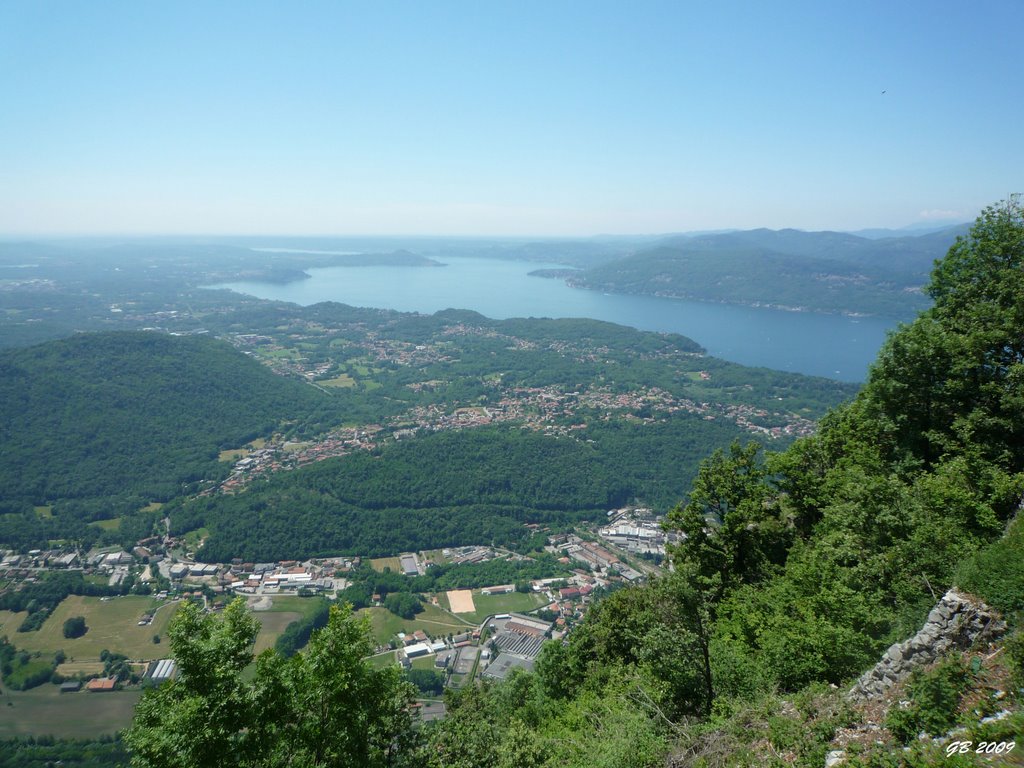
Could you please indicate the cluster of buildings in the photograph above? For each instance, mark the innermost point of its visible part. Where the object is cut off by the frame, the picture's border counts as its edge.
(462, 555)
(281, 455)
(598, 559)
(502, 643)
(114, 564)
(548, 409)
(39, 558)
(637, 530)
(261, 578)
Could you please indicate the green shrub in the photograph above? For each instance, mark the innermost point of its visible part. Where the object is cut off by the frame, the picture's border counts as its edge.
(934, 700)
(996, 572)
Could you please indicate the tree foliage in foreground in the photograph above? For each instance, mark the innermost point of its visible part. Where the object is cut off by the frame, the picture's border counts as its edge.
(324, 707)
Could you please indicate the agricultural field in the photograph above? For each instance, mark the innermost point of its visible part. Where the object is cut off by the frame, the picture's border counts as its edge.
(113, 625)
(9, 622)
(110, 524)
(434, 621)
(46, 711)
(73, 668)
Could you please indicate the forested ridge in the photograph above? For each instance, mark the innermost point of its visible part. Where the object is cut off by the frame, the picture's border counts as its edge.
(798, 569)
(817, 271)
(449, 489)
(99, 415)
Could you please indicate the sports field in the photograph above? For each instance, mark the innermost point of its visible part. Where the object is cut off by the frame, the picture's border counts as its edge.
(513, 602)
(461, 601)
(112, 625)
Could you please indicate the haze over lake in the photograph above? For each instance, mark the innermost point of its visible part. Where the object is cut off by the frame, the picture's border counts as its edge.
(821, 345)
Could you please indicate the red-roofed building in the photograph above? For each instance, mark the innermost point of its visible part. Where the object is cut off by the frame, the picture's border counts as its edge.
(101, 684)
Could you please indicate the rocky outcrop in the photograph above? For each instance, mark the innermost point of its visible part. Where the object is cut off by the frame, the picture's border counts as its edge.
(957, 622)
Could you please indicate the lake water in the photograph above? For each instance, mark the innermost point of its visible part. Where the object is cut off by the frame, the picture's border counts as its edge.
(821, 345)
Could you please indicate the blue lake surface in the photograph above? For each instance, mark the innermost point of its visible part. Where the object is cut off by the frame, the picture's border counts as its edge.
(834, 346)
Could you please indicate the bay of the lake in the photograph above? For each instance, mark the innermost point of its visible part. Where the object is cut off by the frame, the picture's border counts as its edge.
(834, 346)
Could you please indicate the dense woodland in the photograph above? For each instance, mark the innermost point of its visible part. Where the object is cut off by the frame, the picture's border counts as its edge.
(140, 415)
(449, 489)
(799, 568)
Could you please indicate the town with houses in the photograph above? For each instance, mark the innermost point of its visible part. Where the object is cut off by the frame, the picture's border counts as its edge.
(475, 644)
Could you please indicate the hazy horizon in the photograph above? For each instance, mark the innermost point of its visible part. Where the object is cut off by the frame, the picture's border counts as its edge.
(464, 120)
(908, 230)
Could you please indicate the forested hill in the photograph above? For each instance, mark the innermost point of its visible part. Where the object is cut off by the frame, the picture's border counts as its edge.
(113, 415)
(815, 271)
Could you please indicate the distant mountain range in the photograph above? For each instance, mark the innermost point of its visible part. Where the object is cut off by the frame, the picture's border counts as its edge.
(833, 272)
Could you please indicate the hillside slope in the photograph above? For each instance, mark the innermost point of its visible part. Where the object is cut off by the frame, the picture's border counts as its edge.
(139, 414)
(815, 271)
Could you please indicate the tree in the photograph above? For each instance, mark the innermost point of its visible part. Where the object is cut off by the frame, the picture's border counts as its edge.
(956, 375)
(732, 532)
(75, 627)
(403, 604)
(324, 707)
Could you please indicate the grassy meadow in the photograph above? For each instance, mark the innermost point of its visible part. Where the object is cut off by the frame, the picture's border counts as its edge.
(434, 621)
(112, 625)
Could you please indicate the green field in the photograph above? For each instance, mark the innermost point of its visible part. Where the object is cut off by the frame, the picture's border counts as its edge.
(44, 512)
(344, 380)
(272, 625)
(273, 621)
(380, 563)
(305, 606)
(9, 622)
(383, 660)
(233, 454)
(113, 625)
(46, 711)
(193, 539)
(437, 555)
(434, 621)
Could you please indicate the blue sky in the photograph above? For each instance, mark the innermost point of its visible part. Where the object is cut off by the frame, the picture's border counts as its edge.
(525, 118)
